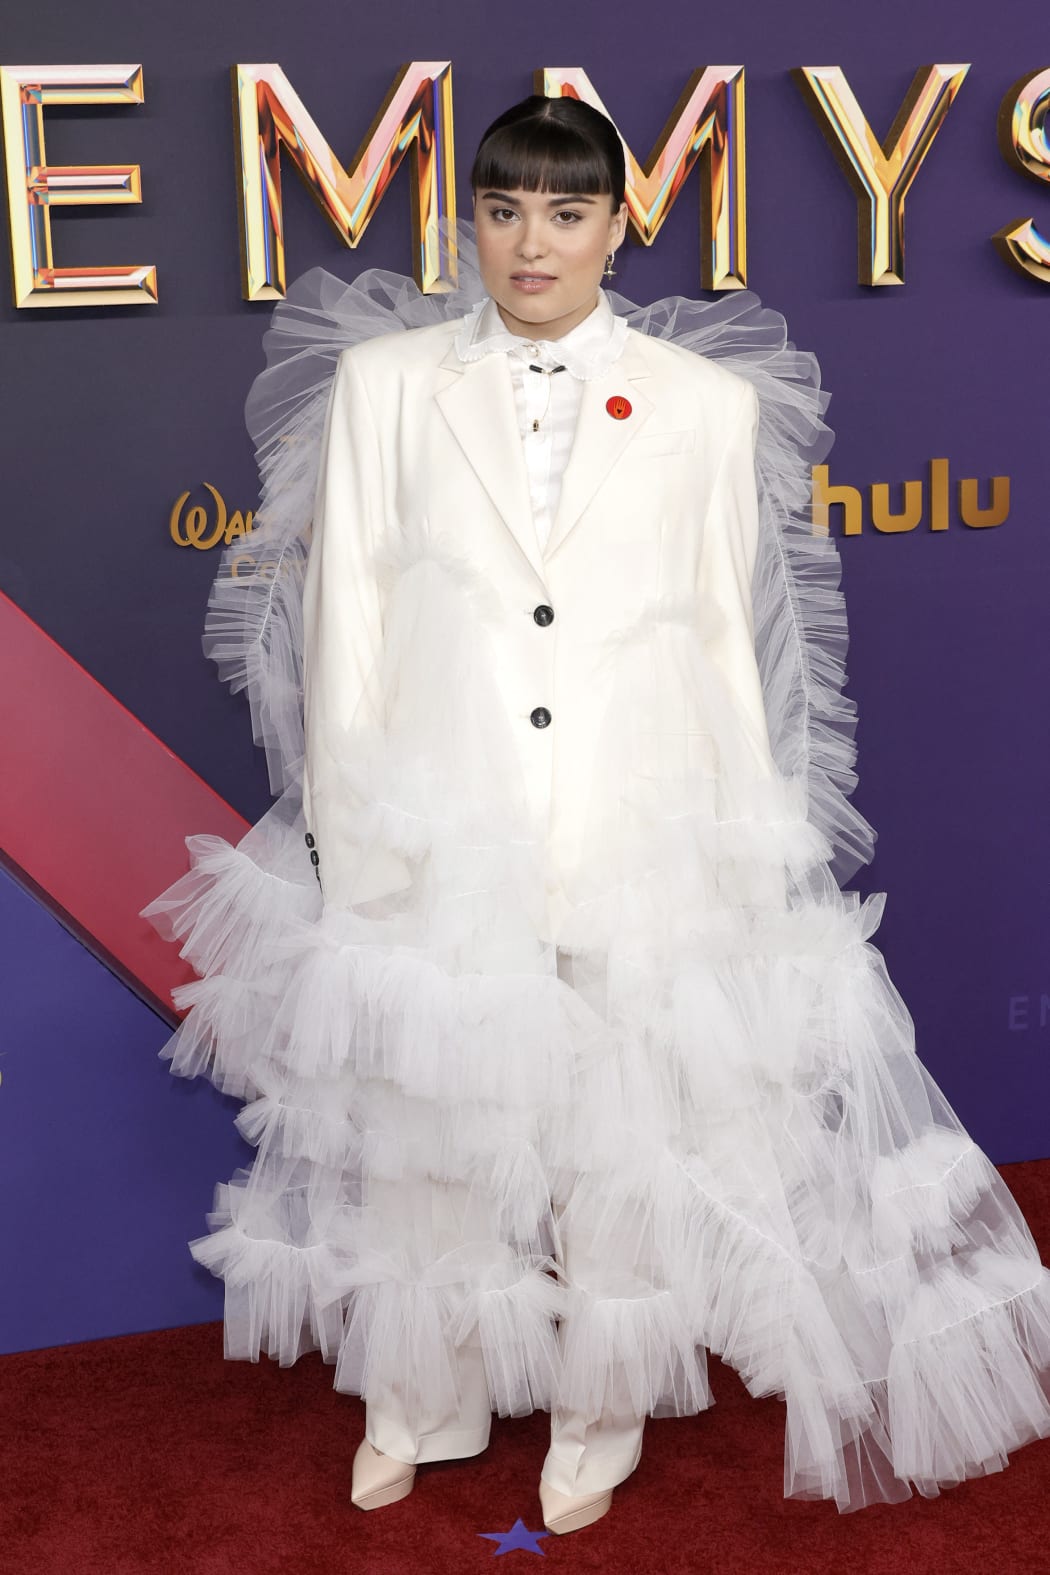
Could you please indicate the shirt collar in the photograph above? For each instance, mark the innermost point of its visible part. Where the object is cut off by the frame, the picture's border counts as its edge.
(586, 351)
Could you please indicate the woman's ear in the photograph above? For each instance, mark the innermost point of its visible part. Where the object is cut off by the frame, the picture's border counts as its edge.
(619, 224)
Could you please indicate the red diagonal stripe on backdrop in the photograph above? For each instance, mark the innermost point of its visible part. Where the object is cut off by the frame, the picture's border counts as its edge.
(94, 809)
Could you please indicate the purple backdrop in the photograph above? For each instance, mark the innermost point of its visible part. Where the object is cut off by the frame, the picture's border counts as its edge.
(117, 412)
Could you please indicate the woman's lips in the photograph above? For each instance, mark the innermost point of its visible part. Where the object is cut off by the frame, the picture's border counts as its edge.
(532, 283)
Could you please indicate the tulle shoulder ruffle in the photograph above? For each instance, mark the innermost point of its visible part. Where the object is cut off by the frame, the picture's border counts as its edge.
(253, 628)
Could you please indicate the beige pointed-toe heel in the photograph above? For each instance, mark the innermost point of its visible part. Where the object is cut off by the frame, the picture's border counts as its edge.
(379, 1479)
(563, 1512)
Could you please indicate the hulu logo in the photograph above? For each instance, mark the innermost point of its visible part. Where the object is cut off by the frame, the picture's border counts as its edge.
(926, 502)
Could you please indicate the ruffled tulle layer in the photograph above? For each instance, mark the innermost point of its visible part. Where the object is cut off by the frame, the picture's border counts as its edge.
(737, 1150)
(695, 1122)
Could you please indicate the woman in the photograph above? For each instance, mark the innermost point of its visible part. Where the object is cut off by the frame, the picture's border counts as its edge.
(574, 1060)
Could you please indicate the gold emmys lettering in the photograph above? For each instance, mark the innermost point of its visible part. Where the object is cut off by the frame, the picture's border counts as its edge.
(705, 130)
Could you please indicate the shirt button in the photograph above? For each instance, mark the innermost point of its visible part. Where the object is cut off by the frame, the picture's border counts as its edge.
(543, 614)
(540, 717)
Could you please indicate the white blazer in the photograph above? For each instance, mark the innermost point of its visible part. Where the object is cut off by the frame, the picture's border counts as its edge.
(658, 504)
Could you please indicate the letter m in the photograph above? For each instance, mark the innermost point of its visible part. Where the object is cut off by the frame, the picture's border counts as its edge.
(269, 116)
(705, 126)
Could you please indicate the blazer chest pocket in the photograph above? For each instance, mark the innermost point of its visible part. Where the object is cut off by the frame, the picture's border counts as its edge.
(649, 445)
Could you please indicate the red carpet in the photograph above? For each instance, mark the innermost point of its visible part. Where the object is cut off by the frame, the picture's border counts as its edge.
(152, 1454)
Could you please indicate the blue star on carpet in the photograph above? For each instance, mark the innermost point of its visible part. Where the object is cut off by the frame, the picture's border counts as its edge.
(517, 1537)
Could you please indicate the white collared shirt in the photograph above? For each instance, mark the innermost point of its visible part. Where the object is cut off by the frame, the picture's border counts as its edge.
(547, 402)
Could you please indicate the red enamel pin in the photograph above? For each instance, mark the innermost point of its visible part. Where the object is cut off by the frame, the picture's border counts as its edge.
(619, 407)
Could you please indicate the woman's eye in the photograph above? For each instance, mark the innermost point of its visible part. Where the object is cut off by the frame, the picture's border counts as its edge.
(565, 216)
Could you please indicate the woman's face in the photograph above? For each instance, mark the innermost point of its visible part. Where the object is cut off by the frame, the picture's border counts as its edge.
(542, 253)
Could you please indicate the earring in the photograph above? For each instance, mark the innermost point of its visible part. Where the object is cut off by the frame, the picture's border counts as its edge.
(609, 269)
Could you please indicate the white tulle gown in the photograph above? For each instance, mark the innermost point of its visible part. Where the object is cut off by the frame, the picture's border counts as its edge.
(728, 1097)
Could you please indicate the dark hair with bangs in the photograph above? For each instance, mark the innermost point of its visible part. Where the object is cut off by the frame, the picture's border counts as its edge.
(551, 144)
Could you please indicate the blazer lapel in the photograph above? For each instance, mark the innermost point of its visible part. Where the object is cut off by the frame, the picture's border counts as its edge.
(600, 438)
(478, 404)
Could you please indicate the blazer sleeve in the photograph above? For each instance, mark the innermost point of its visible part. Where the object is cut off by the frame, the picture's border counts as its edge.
(342, 646)
(755, 872)
(727, 562)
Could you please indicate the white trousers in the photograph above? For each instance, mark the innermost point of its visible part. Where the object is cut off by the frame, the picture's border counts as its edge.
(584, 1457)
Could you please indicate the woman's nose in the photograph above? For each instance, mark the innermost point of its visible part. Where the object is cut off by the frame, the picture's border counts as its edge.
(530, 241)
